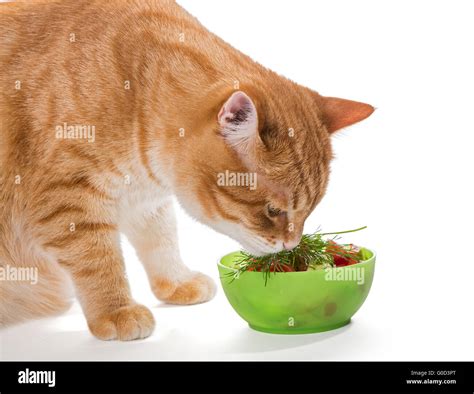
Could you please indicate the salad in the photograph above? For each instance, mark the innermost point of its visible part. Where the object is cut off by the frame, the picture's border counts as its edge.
(315, 252)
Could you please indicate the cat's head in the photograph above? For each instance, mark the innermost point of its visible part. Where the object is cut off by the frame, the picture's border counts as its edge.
(261, 163)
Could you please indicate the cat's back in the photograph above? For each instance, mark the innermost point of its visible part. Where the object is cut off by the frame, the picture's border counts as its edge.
(45, 45)
(39, 26)
(64, 59)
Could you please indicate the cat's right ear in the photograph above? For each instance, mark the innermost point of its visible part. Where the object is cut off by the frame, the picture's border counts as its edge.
(339, 113)
(238, 121)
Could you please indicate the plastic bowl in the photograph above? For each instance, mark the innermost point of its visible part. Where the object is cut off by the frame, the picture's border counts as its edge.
(298, 302)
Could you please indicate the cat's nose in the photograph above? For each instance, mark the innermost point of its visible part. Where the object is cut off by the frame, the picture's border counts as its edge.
(289, 245)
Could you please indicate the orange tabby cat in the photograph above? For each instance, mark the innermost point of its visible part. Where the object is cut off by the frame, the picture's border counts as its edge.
(107, 109)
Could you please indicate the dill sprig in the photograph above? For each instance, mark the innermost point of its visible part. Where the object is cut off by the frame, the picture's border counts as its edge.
(312, 252)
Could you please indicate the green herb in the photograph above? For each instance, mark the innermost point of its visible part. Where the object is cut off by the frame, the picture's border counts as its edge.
(313, 252)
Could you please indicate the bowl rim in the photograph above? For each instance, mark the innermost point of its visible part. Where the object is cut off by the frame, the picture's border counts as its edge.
(370, 260)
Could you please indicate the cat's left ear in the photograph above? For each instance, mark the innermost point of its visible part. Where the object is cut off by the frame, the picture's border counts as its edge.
(339, 113)
(238, 121)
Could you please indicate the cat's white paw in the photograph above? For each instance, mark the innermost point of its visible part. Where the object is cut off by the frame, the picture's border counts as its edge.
(194, 289)
(125, 324)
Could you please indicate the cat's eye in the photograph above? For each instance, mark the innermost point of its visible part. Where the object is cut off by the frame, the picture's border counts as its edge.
(274, 212)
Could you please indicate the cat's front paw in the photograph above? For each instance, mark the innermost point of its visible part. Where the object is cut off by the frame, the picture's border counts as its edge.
(194, 289)
(125, 324)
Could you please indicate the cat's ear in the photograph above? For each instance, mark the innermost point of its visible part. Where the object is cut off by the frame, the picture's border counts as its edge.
(339, 113)
(238, 121)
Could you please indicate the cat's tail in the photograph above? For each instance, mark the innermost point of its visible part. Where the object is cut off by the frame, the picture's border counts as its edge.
(32, 283)
(32, 292)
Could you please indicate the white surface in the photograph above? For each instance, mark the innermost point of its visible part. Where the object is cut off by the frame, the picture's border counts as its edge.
(406, 173)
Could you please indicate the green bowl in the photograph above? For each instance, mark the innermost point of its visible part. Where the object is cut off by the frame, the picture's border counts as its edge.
(298, 302)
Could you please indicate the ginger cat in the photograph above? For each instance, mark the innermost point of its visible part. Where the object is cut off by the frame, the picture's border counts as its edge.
(107, 109)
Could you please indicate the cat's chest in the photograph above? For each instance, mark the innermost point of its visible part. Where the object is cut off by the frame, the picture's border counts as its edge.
(140, 198)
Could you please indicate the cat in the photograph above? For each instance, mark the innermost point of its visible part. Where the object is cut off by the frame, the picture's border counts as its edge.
(107, 110)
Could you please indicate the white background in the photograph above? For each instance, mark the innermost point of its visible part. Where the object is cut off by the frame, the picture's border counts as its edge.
(406, 173)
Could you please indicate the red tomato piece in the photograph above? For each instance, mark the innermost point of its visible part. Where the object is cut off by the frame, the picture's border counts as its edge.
(342, 255)
(341, 261)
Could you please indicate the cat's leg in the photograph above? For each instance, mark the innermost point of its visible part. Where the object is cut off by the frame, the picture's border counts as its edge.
(92, 255)
(154, 236)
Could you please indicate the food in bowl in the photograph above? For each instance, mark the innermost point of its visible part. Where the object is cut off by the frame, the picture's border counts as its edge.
(314, 252)
(323, 297)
